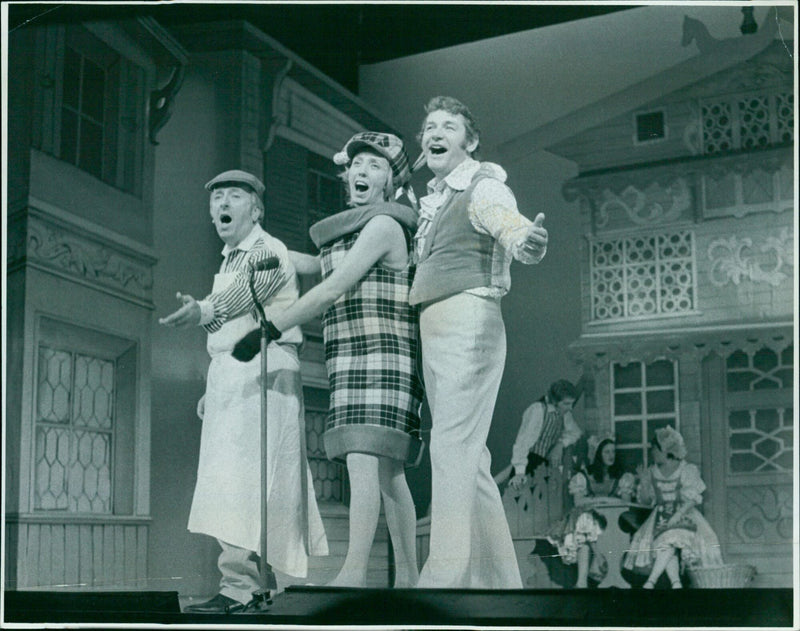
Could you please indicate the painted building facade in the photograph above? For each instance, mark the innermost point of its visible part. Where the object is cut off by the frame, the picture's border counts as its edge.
(80, 299)
(687, 285)
(114, 127)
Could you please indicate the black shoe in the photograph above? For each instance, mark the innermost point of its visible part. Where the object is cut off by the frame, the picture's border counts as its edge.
(219, 604)
(261, 603)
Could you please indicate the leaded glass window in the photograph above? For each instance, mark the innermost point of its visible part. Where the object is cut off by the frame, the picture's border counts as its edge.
(761, 433)
(74, 432)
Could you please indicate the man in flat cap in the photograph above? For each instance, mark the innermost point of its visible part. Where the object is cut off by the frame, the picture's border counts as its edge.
(227, 498)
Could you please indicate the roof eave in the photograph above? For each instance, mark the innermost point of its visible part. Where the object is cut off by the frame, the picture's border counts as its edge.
(722, 55)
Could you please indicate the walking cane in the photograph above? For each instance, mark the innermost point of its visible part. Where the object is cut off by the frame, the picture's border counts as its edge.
(261, 598)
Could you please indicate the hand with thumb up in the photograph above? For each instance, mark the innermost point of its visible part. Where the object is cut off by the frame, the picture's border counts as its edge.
(535, 244)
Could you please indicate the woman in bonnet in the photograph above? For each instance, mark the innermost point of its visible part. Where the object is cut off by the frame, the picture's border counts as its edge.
(371, 347)
(676, 535)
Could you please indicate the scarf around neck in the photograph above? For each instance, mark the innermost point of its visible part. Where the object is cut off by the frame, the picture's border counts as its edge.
(354, 219)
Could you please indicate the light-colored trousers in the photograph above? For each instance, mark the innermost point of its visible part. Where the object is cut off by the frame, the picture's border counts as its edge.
(241, 575)
(463, 354)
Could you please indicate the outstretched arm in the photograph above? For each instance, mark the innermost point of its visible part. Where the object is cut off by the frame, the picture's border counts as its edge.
(187, 315)
(305, 264)
(378, 237)
(235, 300)
(534, 246)
(493, 210)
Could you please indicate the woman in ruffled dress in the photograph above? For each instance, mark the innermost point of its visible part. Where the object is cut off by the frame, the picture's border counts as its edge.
(675, 536)
(569, 553)
(575, 536)
(604, 475)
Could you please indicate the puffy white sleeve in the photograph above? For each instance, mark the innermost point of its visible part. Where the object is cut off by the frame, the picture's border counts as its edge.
(529, 430)
(571, 432)
(692, 485)
(626, 484)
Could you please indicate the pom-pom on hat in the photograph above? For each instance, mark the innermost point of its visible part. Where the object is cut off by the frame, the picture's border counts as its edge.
(387, 145)
(236, 178)
(671, 442)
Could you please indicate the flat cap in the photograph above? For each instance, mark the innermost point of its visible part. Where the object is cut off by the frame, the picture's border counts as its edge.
(235, 178)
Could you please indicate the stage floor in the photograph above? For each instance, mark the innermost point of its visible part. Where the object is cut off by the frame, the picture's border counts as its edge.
(410, 608)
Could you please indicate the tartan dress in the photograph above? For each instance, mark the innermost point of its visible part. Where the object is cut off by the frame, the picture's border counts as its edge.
(371, 354)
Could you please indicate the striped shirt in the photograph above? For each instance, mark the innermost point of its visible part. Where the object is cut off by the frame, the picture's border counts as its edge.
(273, 287)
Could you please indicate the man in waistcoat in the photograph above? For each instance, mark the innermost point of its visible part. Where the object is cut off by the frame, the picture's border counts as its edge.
(469, 231)
(547, 428)
(227, 496)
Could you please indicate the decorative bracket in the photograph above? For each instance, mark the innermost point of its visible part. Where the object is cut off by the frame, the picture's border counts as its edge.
(161, 101)
(276, 119)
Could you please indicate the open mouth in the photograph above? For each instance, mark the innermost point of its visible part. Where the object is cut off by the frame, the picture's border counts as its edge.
(361, 187)
(224, 219)
(437, 150)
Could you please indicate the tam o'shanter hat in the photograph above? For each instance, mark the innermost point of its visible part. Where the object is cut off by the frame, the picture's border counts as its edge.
(671, 442)
(387, 145)
(236, 178)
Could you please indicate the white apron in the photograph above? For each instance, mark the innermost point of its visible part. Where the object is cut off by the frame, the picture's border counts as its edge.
(227, 499)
